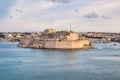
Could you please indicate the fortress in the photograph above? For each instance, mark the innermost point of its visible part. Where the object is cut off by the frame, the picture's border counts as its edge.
(52, 39)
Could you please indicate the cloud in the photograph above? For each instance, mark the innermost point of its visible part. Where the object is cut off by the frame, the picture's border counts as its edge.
(60, 1)
(30, 15)
(94, 15)
(106, 5)
(105, 17)
(19, 10)
(91, 15)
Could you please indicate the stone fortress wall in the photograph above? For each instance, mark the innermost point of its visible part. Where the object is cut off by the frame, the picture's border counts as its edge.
(52, 39)
(66, 44)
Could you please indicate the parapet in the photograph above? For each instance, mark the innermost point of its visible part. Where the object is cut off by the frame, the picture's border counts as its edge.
(49, 30)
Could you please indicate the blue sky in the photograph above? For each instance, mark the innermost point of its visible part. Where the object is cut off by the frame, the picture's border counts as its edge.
(4, 7)
(37, 15)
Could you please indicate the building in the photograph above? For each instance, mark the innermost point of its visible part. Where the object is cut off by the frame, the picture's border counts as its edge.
(50, 39)
(49, 30)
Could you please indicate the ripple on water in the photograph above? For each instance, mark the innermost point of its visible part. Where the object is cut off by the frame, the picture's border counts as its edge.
(34, 64)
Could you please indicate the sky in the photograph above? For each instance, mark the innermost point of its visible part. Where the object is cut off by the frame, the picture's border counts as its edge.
(78, 15)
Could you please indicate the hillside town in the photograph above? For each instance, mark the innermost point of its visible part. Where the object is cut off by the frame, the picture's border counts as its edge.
(101, 36)
(92, 36)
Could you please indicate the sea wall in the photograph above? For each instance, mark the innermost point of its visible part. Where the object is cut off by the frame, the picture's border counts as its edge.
(78, 44)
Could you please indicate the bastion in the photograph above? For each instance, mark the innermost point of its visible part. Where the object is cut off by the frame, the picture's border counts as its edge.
(52, 39)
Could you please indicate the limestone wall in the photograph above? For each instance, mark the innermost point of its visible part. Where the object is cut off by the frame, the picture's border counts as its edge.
(50, 44)
(73, 36)
(50, 31)
(66, 44)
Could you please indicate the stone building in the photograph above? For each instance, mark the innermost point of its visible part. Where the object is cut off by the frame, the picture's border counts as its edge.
(49, 30)
(50, 39)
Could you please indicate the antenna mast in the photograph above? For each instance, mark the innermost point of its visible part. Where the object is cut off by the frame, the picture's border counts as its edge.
(70, 27)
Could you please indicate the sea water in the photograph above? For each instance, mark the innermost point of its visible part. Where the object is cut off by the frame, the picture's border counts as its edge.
(101, 63)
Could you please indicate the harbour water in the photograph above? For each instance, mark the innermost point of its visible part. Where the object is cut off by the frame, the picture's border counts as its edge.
(101, 63)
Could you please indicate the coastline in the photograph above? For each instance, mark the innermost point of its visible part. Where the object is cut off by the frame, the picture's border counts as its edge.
(32, 40)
